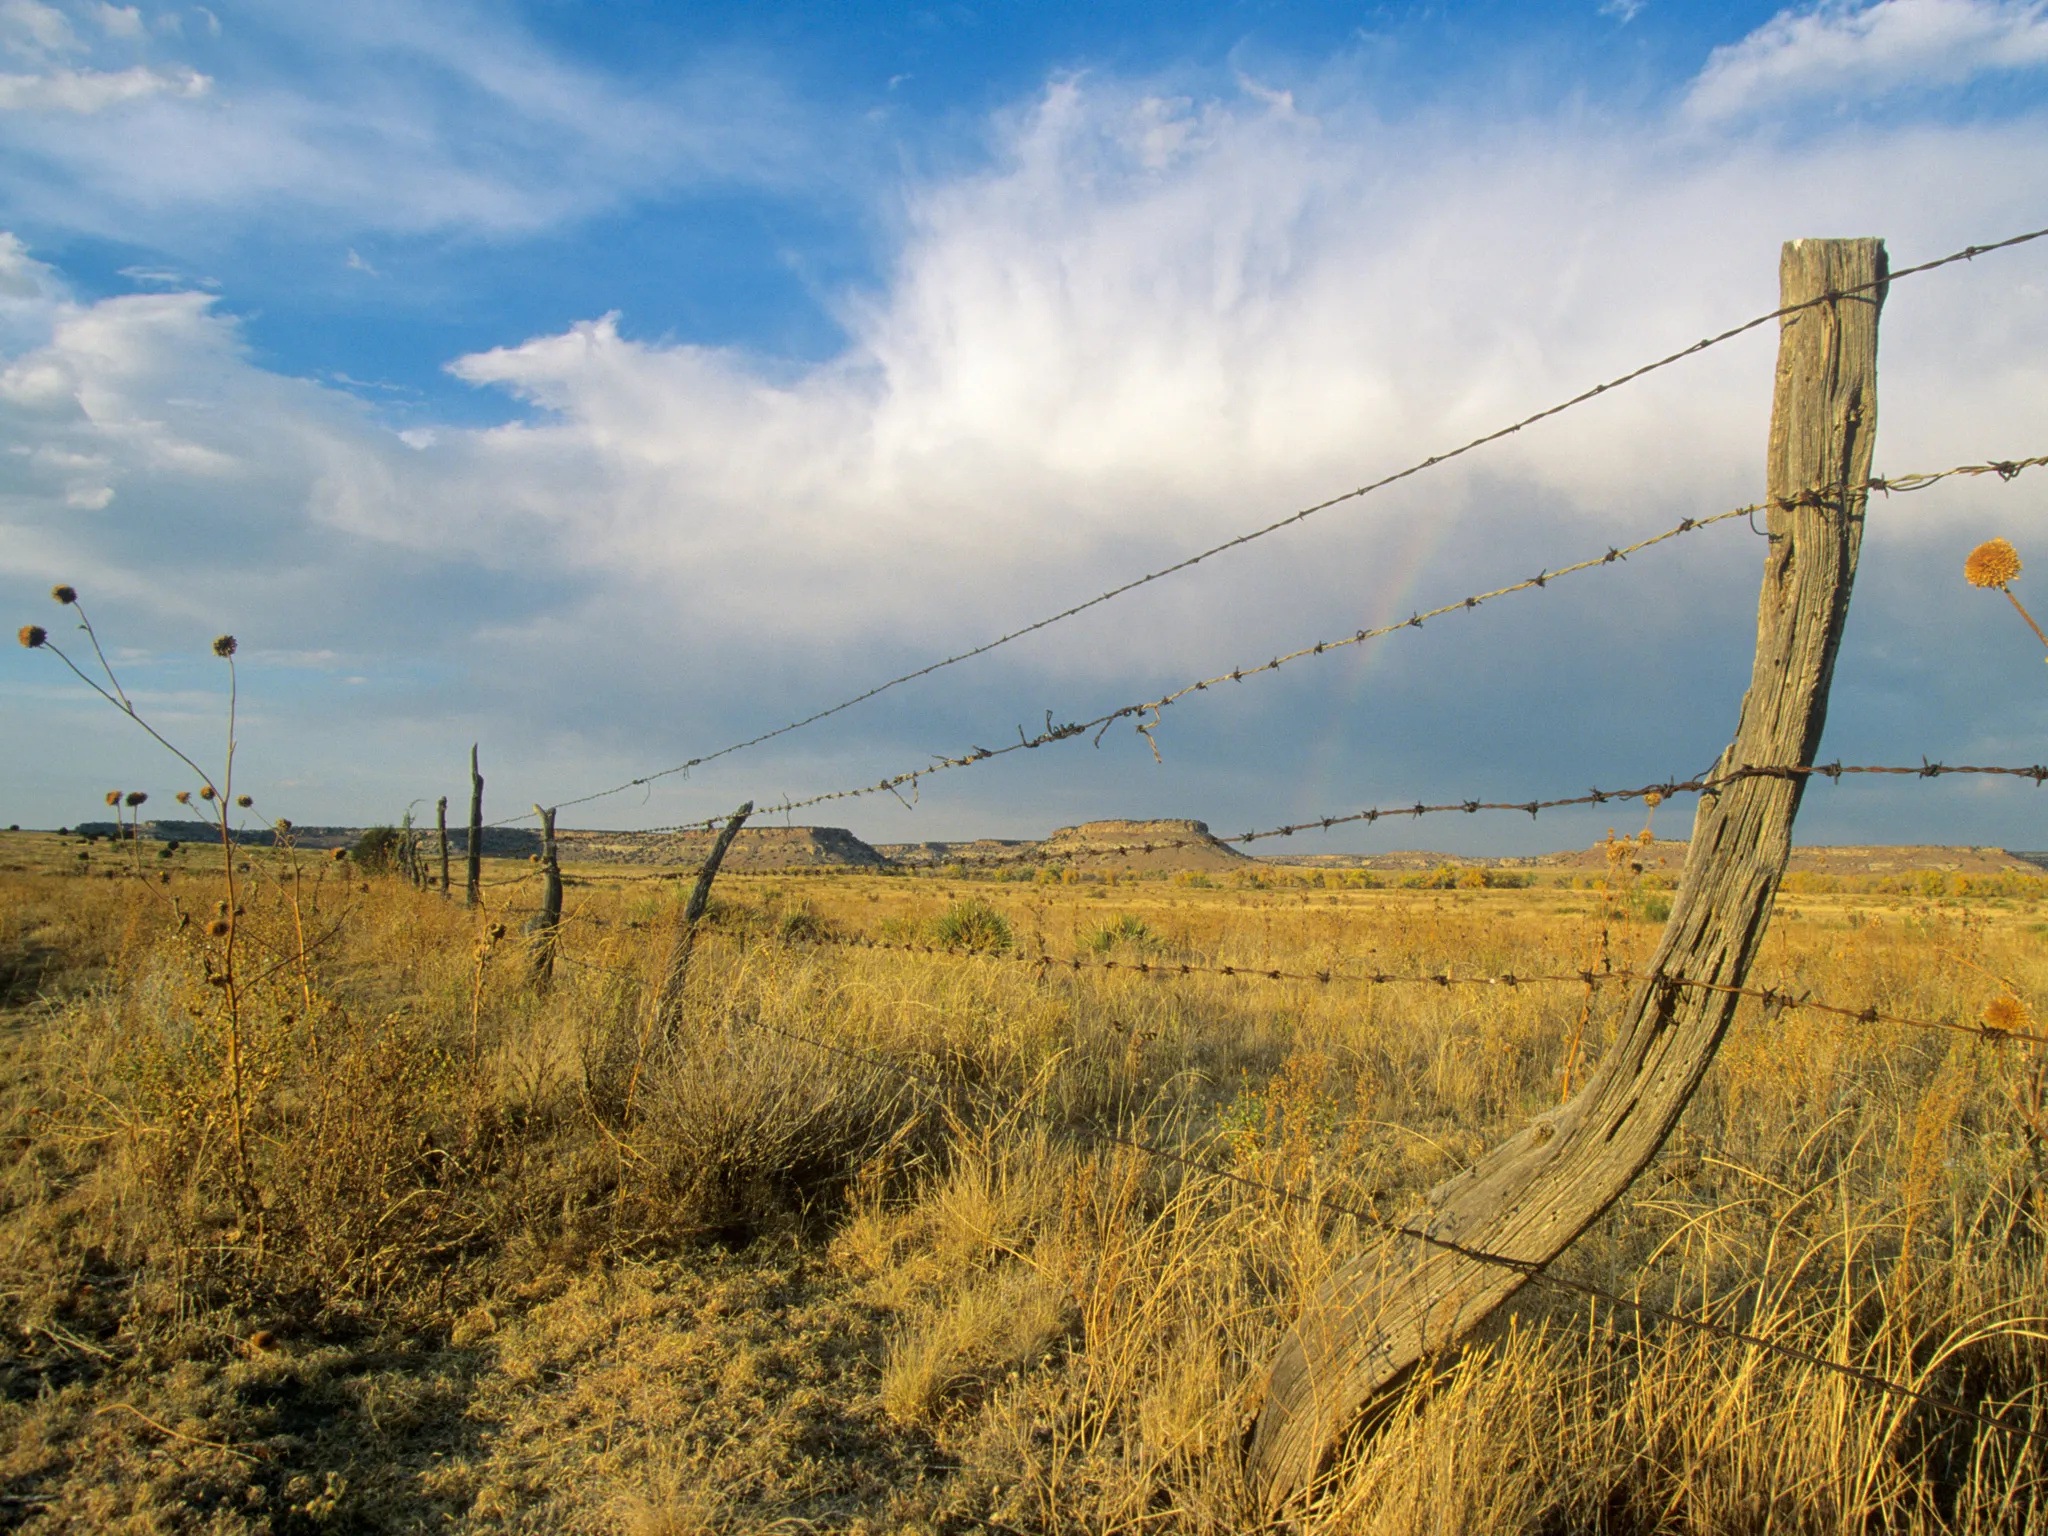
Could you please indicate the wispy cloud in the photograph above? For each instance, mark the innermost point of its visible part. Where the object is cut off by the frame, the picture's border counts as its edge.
(1867, 50)
(409, 120)
(86, 91)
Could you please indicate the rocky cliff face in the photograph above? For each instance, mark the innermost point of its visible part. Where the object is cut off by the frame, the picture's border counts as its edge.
(1171, 843)
(755, 848)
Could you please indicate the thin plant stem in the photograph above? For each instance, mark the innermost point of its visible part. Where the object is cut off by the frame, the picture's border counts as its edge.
(230, 983)
(2024, 614)
(85, 624)
(123, 705)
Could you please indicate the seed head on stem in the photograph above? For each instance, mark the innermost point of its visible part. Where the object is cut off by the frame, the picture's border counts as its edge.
(1994, 563)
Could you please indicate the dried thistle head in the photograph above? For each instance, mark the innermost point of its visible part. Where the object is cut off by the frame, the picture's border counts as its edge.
(218, 928)
(183, 797)
(223, 646)
(1653, 799)
(339, 854)
(32, 636)
(137, 796)
(2007, 1013)
(283, 824)
(113, 797)
(1991, 564)
(65, 594)
(245, 801)
(207, 792)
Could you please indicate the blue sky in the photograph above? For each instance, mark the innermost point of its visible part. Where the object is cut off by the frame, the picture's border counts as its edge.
(609, 383)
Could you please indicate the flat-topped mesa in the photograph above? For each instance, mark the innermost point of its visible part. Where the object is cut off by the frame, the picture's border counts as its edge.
(1167, 843)
(754, 848)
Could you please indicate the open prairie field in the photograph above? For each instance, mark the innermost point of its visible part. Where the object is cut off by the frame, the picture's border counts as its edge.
(325, 1214)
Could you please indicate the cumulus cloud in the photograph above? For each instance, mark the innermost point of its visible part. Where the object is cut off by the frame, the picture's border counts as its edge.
(1869, 50)
(1148, 323)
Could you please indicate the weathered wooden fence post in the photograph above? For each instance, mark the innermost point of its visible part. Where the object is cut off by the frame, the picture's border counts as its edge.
(476, 831)
(441, 826)
(550, 920)
(1379, 1317)
(668, 1009)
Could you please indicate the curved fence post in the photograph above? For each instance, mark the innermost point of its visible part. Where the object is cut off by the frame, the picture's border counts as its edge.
(1412, 1297)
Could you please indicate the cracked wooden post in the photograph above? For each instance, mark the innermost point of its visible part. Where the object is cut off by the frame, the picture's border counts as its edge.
(476, 831)
(1407, 1301)
(668, 1008)
(548, 924)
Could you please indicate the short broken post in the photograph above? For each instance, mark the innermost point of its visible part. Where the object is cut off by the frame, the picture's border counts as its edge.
(476, 831)
(441, 826)
(549, 922)
(668, 1010)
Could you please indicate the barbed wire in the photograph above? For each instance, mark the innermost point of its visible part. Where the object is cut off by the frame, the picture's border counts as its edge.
(911, 779)
(1059, 853)
(1050, 852)
(1967, 253)
(1781, 999)
(1531, 1272)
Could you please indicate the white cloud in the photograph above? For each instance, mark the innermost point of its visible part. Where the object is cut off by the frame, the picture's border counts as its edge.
(33, 30)
(122, 21)
(1104, 350)
(390, 117)
(87, 91)
(1868, 50)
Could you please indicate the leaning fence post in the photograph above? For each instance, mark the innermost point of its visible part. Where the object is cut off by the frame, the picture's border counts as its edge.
(441, 826)
(1412, 1297)
(669, 1003)
(476, 831)
(549, 922)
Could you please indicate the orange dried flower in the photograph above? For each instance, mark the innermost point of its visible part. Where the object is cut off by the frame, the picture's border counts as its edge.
(206, 791)
(1991, 564)
(2007, 1013)
(113, 797)
(137, 796)
(65, 594)
(223, 645)
(32, 635)
(245, 801)
(218, 928)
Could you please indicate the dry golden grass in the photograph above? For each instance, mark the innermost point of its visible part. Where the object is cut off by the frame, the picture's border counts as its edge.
(480, 1283)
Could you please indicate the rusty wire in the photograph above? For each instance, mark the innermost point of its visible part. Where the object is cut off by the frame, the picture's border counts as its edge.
(1531, 1273)
(1051, 853)
(1967, 253)
(911, 779)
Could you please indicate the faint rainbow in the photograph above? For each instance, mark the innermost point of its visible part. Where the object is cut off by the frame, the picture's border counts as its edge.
(1329, 780)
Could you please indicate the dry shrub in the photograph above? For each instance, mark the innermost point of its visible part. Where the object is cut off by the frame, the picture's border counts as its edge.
(738, 1125)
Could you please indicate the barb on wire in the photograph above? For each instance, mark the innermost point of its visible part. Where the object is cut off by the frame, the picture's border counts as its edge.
(1967, 253)
(1783, 999)
(1531, 1273)
(2005, 469)
(1051, 853)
